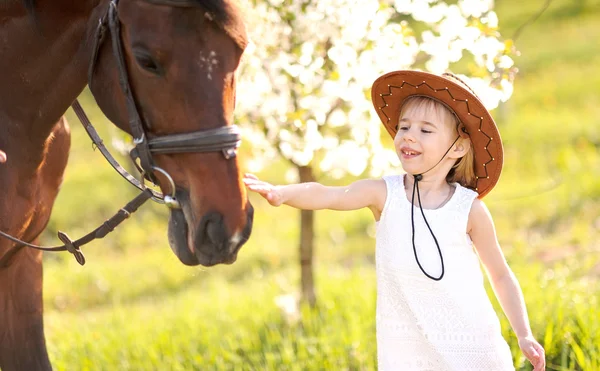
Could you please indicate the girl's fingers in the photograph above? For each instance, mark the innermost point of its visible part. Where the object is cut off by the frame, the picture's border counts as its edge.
(253, 181)
(541, 361)
(534, 352)
(536, 357)
(265, 189)
(258, 185)
(259, 188)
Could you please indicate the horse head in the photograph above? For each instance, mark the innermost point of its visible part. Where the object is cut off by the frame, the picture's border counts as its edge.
(166, 75)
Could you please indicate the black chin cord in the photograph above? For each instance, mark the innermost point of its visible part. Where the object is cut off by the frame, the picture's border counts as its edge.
(417, 179)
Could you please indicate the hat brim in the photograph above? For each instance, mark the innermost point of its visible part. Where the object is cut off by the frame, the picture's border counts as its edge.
(390, 91)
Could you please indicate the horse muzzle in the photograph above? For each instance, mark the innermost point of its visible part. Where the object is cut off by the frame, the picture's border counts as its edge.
(209, 242)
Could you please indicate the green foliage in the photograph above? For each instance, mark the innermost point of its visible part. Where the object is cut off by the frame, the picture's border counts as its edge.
(134, 306)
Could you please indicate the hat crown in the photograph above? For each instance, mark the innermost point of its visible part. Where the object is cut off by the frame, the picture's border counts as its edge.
(450, 76)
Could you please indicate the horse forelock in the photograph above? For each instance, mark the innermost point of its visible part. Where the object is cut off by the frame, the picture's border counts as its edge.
(226, 14)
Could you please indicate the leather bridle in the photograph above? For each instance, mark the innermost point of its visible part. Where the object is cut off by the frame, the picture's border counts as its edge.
(224, 139)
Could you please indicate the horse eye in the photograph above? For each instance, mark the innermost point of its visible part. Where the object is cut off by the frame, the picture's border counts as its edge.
(145, 60)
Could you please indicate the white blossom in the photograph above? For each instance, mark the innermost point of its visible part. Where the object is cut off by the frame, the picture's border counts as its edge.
(505, 62)
(491, 19)
(304, 83)
(475, 8)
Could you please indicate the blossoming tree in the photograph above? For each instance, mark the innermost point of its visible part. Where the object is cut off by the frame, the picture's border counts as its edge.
(306, 77)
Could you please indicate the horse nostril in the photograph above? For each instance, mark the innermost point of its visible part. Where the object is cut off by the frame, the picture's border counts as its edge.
(212, 232)
(214, 229)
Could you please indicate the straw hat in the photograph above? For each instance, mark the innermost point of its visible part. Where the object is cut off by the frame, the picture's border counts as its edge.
(390, 91)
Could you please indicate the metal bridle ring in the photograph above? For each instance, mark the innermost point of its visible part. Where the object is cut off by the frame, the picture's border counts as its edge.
(169, 200)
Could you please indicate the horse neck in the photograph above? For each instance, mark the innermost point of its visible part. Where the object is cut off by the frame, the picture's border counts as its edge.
(45, 59)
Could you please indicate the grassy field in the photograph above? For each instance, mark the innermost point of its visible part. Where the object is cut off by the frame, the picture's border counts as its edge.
(135, 307)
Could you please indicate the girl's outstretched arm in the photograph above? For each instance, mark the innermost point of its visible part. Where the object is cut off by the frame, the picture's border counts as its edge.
(369, 193)
(505, 284)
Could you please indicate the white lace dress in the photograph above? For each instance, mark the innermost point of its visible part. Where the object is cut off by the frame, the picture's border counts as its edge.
(427, 325)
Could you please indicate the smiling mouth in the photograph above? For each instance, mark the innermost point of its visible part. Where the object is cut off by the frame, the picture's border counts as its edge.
(409, 153)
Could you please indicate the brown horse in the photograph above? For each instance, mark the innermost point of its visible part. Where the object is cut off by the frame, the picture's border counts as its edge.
(158, 69)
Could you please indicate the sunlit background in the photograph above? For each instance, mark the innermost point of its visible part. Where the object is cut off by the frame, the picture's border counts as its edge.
(135, 306)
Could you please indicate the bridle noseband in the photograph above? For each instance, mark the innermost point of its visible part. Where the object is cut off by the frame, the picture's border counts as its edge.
(224, 139)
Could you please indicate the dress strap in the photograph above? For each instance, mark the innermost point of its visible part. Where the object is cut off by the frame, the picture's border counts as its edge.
(464, 198)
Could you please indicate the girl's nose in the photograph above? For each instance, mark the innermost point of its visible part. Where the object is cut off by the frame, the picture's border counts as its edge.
(408, 136)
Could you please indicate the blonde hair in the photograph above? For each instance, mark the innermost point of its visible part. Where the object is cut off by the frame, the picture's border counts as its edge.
(463, 171)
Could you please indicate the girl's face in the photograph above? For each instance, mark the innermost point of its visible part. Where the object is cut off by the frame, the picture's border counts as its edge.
(425, 132)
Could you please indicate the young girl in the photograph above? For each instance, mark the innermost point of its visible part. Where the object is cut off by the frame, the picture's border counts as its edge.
(433, 312)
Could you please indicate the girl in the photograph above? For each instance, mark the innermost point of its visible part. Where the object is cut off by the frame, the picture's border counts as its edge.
(433, 312)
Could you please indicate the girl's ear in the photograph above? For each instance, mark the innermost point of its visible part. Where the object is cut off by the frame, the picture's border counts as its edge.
(461, 148)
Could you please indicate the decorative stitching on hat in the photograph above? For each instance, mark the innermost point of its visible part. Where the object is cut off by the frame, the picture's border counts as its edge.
(465, 101)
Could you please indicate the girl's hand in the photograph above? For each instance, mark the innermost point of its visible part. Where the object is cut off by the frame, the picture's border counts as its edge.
(270, 192)
(2, 157)
(534, 352)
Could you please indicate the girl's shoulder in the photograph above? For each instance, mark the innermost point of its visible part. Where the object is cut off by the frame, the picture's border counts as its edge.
(381, 190)
(389, 186)
(393, 181)
(463, 200)
(465, 192)
(479, 214)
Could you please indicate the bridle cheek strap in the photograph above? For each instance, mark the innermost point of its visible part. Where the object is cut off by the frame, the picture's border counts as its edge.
(135, 122)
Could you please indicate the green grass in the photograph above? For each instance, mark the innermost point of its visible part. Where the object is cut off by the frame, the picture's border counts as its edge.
(197, 332)
(134, 306)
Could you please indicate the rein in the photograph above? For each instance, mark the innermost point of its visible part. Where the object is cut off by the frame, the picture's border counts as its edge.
(224, 139)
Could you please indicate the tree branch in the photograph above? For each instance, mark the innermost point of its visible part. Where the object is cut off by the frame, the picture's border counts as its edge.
(531, 20)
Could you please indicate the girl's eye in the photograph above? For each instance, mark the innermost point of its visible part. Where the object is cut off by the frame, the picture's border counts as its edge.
(426, 131)
(403, 128)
